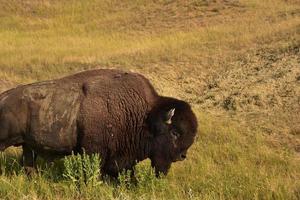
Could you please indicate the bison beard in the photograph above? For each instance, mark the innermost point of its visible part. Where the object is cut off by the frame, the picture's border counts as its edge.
(114, 113)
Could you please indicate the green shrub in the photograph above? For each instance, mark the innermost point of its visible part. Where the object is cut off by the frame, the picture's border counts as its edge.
(146, 178)
(82, 170)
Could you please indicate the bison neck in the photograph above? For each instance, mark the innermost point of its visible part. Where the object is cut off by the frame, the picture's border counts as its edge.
(145, 147)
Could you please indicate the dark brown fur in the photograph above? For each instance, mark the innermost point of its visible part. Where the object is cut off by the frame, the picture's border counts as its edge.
(111, 112)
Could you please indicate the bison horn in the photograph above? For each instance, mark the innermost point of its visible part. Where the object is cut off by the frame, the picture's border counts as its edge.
(170, 114)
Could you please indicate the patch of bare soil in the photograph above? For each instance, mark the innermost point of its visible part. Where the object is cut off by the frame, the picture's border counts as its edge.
(261, 90)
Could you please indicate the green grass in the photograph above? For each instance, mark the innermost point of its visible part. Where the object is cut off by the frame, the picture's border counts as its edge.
(223, 164)
(177, 45)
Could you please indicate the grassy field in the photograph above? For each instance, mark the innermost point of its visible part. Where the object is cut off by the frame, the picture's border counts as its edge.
(236, 62)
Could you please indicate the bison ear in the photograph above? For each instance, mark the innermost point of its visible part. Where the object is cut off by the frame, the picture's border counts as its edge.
(169, 116)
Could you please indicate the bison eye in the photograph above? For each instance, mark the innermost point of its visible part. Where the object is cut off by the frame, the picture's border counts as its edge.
(175, 134)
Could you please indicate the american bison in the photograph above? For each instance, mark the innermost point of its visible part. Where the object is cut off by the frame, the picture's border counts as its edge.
(114, 113)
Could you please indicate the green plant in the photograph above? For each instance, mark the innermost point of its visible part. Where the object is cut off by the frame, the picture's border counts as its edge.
(82, 169)
(146, 178)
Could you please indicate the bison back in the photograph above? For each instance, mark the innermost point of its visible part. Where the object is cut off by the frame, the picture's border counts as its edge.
(52, 115)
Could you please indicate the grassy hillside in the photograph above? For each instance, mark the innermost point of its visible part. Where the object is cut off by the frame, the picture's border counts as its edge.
(236, 62)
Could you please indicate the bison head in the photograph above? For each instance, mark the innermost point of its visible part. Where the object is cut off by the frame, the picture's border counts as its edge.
(173, 126)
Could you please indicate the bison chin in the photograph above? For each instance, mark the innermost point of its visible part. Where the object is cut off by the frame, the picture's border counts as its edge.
(160, 166)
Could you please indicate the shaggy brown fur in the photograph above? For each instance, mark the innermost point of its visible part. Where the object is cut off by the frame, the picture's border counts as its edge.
(111, 112)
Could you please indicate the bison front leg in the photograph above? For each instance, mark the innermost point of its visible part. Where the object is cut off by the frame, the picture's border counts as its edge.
(28, 159)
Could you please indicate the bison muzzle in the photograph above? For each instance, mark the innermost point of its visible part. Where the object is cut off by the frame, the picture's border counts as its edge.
(114, 113)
